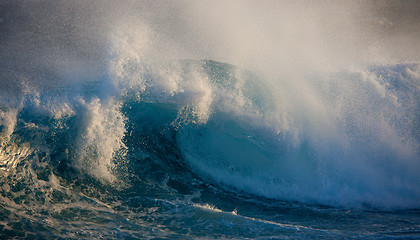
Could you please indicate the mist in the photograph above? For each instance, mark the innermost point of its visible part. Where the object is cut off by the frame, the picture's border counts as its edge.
(43, 41)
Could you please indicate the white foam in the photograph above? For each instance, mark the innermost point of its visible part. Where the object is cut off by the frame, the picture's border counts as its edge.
(100, 132)
(7, 122)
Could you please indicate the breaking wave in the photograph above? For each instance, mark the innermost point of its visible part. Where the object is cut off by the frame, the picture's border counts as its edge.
(349, 140)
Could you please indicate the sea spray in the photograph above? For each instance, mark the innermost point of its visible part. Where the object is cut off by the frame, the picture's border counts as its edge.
(209, 119)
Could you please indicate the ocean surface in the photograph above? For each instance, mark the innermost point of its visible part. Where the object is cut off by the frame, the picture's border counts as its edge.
(195, 149)
(103, 138)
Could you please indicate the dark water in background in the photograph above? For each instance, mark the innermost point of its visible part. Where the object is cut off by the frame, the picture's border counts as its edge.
(306, 126)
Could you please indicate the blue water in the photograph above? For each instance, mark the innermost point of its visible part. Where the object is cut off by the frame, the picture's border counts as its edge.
(202, 149)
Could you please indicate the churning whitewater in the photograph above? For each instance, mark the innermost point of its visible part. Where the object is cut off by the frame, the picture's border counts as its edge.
(115, 123)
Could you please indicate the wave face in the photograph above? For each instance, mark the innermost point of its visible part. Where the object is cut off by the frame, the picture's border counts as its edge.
(115, 123)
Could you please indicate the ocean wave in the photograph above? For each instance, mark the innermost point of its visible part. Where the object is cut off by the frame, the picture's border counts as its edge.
(351, 140)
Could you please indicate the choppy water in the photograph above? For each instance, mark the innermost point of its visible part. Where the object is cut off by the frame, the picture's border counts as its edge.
(105, 134)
